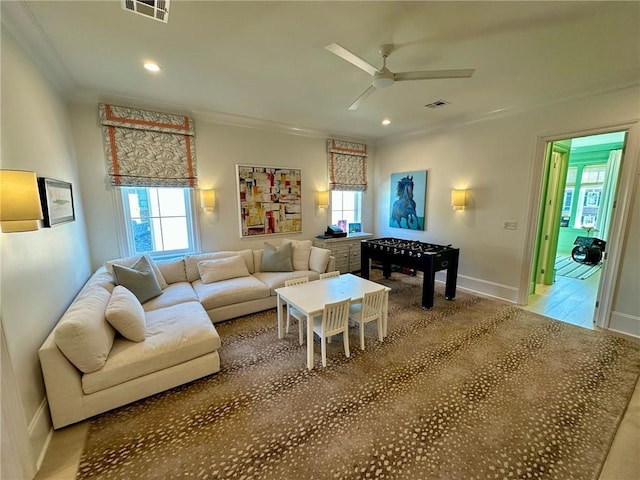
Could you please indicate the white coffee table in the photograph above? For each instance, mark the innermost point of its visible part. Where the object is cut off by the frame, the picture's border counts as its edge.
(310, 299)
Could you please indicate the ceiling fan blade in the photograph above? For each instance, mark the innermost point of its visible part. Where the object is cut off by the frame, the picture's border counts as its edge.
(359, 100)
(433, 74)
(352, 58)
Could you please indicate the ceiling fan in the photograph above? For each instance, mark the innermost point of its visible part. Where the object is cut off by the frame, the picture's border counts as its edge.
(383, 77)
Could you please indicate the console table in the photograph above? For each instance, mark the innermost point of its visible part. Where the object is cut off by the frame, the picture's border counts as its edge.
(346, 250)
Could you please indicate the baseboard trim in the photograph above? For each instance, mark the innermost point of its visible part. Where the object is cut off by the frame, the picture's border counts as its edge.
(40, 432)
(625, 323)
(483, 287)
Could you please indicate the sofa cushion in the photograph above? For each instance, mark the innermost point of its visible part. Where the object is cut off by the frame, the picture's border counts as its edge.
(191, 261)
(257, 260)
(174, 294)
(301, 252)
(103, 278)
(124, 312)
(277, 259)
(130, 261)
(276, 279)
(319, 259)
(174, 335)
(229, 292)
(140, 279)
(83, 335)
(222, 269)
(173, 271)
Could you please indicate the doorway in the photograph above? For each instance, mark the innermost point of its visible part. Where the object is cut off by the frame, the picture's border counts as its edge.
(577, 200)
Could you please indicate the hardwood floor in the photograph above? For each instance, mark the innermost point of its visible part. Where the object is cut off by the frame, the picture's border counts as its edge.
(568, 299)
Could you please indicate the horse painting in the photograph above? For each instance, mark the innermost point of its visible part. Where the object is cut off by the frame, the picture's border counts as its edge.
(405, 205)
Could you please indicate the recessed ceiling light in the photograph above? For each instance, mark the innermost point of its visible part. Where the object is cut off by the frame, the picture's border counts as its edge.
(152, 67)
(386, 121)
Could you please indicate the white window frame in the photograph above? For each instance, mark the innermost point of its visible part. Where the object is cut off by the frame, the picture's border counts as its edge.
(581, 191)
(125, 232)
(357, 206)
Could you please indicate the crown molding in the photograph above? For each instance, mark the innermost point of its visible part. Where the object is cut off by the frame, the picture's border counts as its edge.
(19, 21)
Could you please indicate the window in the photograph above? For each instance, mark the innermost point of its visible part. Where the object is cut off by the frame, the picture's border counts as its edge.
(159, 221)
(345, 208)
(589, 195)
(586, 183)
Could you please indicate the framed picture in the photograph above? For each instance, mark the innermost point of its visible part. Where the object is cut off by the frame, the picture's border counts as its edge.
(56, 197)
(355, 227)
(407, 200)
(269, 200)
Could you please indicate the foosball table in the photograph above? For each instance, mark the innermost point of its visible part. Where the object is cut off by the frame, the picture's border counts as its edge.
(428, 258)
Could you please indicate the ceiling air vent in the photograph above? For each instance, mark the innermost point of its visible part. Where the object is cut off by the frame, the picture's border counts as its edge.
(156, 9)
(437, 104)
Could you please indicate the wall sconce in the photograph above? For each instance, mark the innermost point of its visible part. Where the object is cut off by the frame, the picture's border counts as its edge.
(458, 199)
(20, 207)
(323, 199)
(208, 200)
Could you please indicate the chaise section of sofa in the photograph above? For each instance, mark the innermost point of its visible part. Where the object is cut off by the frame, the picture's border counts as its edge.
(88, 368)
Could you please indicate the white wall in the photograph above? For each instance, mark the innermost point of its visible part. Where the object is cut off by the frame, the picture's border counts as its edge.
(626, 303)
(218, 149)
(42, 270)
(494, 159)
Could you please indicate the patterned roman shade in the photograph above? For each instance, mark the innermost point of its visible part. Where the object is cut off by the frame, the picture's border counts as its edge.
(148, 149)
(347, 165)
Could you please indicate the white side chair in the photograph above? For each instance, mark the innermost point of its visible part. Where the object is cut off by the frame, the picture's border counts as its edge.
(334, 274)
(295, 313)
(370, 310)
(334, 320)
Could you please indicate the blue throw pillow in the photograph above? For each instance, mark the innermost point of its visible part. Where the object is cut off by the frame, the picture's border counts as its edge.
(277, 259)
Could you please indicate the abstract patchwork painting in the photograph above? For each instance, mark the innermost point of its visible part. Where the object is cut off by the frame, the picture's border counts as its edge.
(270, 200)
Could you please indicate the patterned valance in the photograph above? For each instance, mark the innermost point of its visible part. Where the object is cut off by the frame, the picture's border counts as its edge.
(347, 165)
(148, 149)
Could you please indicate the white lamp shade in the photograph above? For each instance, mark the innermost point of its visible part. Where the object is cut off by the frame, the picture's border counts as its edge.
(323, 199)
(458, 199)
(20, 207)
(208, 200)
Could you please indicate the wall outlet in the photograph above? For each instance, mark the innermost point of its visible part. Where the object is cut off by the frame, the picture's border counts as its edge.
(510, 225)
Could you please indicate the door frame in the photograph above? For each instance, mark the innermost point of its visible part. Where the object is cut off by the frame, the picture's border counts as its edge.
(619, 221)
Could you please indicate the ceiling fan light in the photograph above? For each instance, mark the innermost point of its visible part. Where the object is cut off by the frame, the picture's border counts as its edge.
(383, 79)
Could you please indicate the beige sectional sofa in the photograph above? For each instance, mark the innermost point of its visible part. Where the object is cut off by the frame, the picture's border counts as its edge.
(89, 367)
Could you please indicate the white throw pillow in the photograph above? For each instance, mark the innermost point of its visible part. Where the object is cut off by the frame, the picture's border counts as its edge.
(173, 271)
(222, 269)
(126, 315)
(131, 261)
(301, 252)
(191, 261)
(319, 259)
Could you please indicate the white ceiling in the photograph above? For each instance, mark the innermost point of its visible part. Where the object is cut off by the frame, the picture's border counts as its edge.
(257, 62)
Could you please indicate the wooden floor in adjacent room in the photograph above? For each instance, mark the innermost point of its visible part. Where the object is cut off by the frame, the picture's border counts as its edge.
(569, 299)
